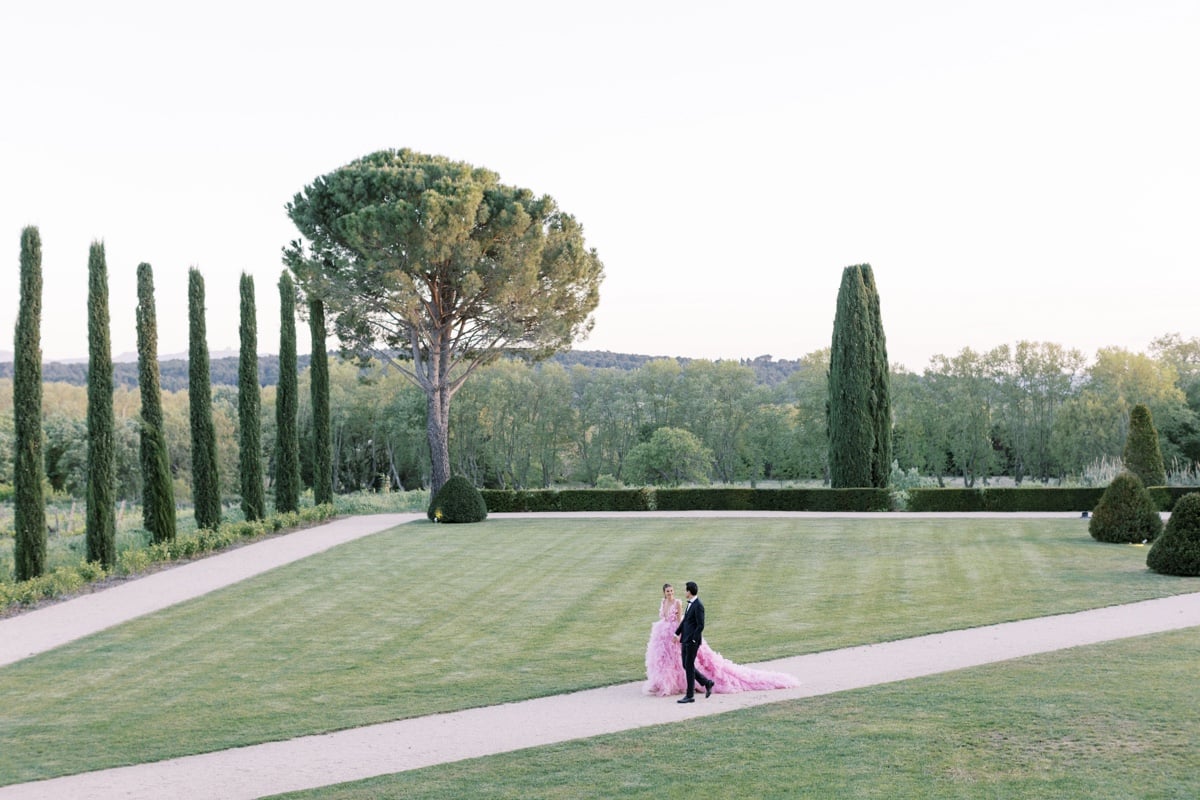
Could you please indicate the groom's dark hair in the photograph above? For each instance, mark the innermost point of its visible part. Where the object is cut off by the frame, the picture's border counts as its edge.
(693, 588)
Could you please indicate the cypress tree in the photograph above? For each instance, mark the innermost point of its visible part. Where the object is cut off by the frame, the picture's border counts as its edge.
(250, 453)
(29, 513)
(851, 357)
(101, 481)
(206, 492)
(1143, 454)
(287, 446)
(319, 375)
(881, 402)
(158, 492)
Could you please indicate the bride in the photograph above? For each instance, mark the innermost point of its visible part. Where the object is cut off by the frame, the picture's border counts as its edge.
(664, 665)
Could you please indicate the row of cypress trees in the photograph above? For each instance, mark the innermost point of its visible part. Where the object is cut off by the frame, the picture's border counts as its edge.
(158, 501)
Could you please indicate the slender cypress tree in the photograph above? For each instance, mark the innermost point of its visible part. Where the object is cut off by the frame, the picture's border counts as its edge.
(254, 502)
(851, 422)
(158, 492)
(319, 375)
(881, 401)
(206, 492)
(1143, 453)
(287, 446)
(29, 517)
(101, 479)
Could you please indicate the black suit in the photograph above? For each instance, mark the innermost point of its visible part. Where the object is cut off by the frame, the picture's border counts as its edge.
(690, 631)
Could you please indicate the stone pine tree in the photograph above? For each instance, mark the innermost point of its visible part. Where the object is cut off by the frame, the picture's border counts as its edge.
(254, 502)
(437, 268)
(881, 403)
(29, 512)
(206, 491)
(852, 354)
(1143, 454)
(319, 381)
(101, 530)
(287, 444)
(158, 492)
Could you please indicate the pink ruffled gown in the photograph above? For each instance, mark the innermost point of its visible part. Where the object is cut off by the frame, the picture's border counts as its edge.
(664, 666)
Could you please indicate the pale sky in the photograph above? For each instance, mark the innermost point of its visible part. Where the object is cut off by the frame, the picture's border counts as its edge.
(1016, 170)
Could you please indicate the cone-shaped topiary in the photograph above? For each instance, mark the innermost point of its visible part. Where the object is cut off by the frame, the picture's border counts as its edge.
(1126, 512)
(1177, 551)
(458, 501)
(1143, 455)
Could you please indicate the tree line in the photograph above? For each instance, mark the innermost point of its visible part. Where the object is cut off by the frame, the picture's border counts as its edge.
(1033, 411)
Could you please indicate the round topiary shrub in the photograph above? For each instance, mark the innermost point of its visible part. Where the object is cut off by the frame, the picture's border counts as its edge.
(1126, 512)
(457, 501)
(1177, 551)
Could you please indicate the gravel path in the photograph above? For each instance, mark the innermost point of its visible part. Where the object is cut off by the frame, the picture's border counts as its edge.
(311, 761)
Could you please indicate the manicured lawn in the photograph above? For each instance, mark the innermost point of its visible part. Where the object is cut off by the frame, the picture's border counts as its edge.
(392, 626)
(1115, 720)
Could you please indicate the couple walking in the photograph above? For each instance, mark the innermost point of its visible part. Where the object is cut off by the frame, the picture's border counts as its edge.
(678, 658)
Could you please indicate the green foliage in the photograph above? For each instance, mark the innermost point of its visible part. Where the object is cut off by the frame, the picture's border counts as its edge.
(322, 441)
(250, 469)
(409, 251)
(29, 548)
(206, 491)
(670, 457)
(860, 419)
(1142, 454)
(158, 492)
(101, 495)
(458, 501)
(61, 581)
(1125, 513)
(1177, 550)
(287, 437)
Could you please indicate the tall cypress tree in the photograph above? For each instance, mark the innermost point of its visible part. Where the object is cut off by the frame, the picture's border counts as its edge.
(206, 491)
(881, 400)
(287, 446)
(1143, 453)
(101, 479)
(158, 492)
(29, 470)
(851, 422)
(254, 502)
(319, 375)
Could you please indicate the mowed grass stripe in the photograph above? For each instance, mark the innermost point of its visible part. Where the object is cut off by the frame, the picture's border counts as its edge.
(425, 619)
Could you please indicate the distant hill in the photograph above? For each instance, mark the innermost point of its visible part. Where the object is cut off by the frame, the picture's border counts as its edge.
(223, 369)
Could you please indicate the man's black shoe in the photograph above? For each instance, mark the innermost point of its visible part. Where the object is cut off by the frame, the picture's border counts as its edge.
(686, 700)
(708, 689)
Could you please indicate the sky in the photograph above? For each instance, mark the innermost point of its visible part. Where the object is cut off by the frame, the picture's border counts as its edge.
(1012, 171)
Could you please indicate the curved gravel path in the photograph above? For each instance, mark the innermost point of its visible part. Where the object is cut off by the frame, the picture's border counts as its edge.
(325, 759)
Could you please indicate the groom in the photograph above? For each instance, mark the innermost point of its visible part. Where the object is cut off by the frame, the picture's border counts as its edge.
(688, 635)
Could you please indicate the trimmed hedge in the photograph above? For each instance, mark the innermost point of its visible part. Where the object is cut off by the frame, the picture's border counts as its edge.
(773, 500)
(725, 499)
(1040, 498)
(517, 500)
(1177, 550)
(457, 501)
